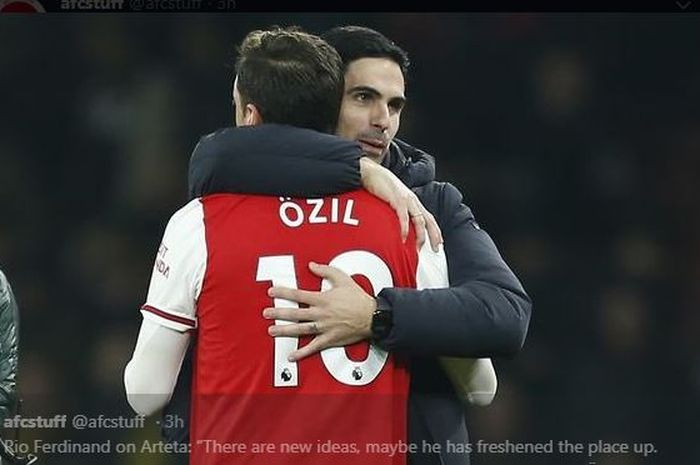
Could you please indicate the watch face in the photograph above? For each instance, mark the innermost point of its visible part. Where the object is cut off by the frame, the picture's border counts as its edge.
(381, 323)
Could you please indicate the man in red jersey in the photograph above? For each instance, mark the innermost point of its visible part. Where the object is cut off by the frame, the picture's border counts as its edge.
(219, 256)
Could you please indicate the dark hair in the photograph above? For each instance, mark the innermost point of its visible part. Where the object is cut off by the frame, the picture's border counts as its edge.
(292, 77)
(355, 42)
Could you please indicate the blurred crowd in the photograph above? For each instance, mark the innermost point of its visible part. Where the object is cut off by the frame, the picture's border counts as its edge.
(575, 139)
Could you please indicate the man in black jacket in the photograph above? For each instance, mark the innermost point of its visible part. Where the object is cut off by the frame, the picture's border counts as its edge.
(484, 313)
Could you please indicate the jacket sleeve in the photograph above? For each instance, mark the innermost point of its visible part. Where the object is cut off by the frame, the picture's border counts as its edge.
(9, 340)
(485, 312)
(217, 166)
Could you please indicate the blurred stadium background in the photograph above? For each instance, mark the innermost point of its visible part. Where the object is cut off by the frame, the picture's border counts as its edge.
(575, 139)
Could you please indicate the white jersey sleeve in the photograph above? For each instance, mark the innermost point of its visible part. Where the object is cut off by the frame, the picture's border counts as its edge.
(432, 268)
(151, 374)
(474, 380)
(178, 272)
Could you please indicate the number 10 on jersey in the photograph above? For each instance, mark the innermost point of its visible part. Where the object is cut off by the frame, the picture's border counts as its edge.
(280, 270)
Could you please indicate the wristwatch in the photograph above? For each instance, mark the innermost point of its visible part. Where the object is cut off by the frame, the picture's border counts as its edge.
(382, 320)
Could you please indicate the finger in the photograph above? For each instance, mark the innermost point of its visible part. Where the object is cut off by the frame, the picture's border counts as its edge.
(402, 212)
(331, 273)
(289, 314)
(419, 225)
(317, 344)
(294, 330)
(295, 295)
(434, 232)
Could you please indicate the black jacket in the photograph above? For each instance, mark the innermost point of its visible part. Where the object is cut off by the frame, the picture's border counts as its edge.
(486, 312)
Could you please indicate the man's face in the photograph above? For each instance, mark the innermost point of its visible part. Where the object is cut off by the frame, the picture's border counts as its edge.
(371, 109)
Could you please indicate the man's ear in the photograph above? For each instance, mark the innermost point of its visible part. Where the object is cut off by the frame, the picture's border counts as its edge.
(251, 115)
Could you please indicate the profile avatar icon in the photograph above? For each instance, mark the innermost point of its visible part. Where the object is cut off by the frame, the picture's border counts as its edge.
(21, 6)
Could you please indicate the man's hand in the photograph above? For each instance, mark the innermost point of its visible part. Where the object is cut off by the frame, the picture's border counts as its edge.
(338, 317)
(385, 185)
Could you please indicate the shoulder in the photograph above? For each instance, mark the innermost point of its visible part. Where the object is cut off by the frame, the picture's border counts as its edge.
(191, 212)
(185, 222)
(435, 191)
(442, 199)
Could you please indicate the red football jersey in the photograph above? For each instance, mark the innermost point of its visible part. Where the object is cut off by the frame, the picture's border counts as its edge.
(250, 404)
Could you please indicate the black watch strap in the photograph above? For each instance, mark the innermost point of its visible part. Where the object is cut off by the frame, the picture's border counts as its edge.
(382, 320)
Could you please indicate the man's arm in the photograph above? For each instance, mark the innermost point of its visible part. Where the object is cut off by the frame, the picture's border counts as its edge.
(474, 380)
(387, 186)
(272, 159)
(485, 312)
(169, 312)
(151, 374)
(484, 291)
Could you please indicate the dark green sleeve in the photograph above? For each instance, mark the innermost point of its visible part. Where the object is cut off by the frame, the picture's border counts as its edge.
(9, 341)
